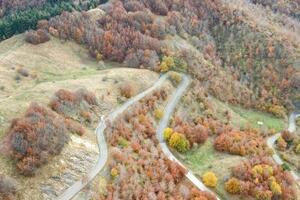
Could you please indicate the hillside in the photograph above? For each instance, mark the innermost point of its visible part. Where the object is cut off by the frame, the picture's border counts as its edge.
(150, 99)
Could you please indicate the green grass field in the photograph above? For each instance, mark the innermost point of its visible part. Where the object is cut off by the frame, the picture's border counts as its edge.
(252, 117)
(241, 117)
(205, 158)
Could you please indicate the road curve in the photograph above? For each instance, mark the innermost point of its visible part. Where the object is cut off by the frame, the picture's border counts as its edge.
(164, 123)
(103, 155)
(271, 140)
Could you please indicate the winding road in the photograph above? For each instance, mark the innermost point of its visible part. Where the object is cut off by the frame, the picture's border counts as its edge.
(174, 99)
(103, 156)
(164, 123)
(271, 140)
(103, 149)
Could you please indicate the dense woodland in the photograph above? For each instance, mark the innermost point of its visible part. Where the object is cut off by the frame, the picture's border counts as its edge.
(258, 70)
(19, 16)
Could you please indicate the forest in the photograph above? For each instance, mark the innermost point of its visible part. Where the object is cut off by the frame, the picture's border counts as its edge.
(19, 16)
(239, 60)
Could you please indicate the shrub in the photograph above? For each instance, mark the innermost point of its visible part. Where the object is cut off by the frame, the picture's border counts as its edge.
(275, 188)
(35, 137)
(193, 131)
(210, 179)
(287, 136)
(76, 105)
(264, 195)
(167, 134)
(177, 171)
(126, 90)
(277, 110)
(281, 144)
(114, 172)
(241, 143)
(23, 72)
(259, 170)
(175, 77)
(232, 186)
(179, 142)
(37, 37)
(167, 63)
(158, 114)
(123, 142)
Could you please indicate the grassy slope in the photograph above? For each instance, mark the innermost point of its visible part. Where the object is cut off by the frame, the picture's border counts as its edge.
(206, 158)
(242, 117)
(56, 65)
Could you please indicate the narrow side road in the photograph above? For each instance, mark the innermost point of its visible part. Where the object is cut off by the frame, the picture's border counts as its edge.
(271, 140)
(164, 123)
(103, 156)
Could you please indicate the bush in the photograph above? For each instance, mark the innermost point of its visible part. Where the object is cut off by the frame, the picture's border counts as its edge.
(167, 134)
(193, 131)
(209, 179)
(177, 171)
(179, 142)
(37, 37)
(275, 188)
(277, 110)
(281, 144)
(158, 114)
(241, 143)
(126, 90)
(175, 77)
(232, 186)
(23, 72)
(287, 136)
(264, 195)
(76, 105)
(123, 142)
(34, 138)
(167, 63)
(114, 173)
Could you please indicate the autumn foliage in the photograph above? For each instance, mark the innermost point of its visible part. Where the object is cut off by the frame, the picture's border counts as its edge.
(210, 179)
(241, 143)
(74, 105)
(34, 138)
(195, 132)
(127, 90)
(260, 178)
(37, 37)
(239, 63)
(142, 160)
